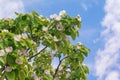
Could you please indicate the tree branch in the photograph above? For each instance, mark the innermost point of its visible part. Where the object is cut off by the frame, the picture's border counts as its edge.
(36, 53)
(54, 75)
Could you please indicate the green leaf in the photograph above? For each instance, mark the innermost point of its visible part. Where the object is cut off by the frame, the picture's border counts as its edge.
(73, 33)
(11, 61)
(85, 51)
(22, 75)
(10, 75)
(3, 60)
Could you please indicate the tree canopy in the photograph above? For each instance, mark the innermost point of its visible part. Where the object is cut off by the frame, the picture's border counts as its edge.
(30, 42)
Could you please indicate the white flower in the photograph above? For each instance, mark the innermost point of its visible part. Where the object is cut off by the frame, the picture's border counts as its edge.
(47, 72)
(17, 37)
(67, 75)
(53, 16)
(18, 61)
(59, 27)
(45, 28)
(79, 18)
(2, 53)
(58, 18)
(9, 49)
(4, 30)
(76, 27)
(24, 36)
(55, 39)
(8, 69)
(63, 12)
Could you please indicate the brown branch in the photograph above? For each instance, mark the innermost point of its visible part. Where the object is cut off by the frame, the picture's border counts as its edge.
(36, 53)
(54, 75)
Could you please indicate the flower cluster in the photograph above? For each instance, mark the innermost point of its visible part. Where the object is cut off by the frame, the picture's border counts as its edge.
(55, 17)
(58, 17)
(18, 37)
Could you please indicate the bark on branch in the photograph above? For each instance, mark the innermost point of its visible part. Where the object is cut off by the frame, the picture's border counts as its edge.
(37, 53)
(54, 75)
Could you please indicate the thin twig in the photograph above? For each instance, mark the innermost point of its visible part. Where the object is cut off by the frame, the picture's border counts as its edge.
(58, 67)
(37, 53)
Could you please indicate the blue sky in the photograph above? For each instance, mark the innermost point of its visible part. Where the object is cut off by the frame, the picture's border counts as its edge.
(100, 29)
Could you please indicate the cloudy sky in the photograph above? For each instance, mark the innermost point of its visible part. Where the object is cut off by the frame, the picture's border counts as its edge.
(100, 30)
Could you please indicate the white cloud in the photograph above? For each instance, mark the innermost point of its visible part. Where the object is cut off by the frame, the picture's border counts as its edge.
(113, 75)
(108, 57)
(9, 7)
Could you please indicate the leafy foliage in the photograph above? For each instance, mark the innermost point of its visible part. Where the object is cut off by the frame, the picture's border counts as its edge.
(23, 58)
